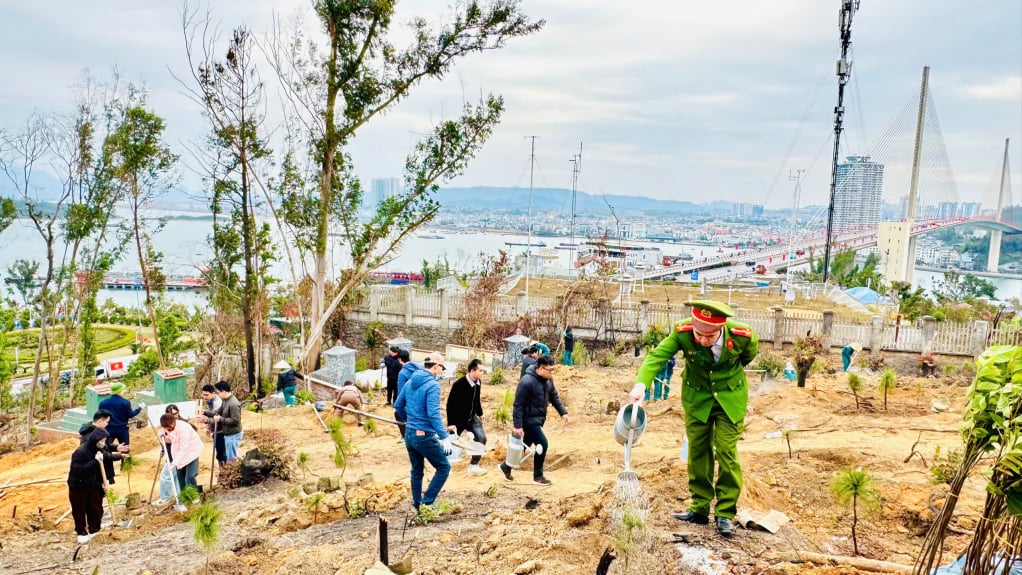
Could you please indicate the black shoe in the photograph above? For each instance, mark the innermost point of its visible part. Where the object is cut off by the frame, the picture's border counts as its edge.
(506, 471)
(725, 527)
(691, 517)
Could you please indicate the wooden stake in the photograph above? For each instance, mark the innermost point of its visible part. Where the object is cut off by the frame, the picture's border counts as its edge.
(63, 517)
(384, 549)
(859, 563)
(51, 480)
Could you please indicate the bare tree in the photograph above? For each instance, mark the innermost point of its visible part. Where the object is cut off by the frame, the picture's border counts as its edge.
(231, 94)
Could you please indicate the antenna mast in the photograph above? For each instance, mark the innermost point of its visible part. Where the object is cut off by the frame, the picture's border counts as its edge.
(576, 169)
(528, 242)
(794, 176)
(844, 73)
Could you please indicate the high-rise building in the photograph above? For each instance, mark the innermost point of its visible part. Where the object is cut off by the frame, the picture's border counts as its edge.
(970, 209)
(381, 189)
(947, 210)
(747, 210)
(858, 197)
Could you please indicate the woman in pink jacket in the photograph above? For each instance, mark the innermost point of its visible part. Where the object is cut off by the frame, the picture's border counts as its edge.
(185, 448)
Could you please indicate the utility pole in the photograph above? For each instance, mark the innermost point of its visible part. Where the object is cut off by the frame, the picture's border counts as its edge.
(576, 169)
(528, 242)
(844, 73)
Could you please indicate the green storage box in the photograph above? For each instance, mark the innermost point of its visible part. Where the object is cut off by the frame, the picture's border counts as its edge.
(171, 386)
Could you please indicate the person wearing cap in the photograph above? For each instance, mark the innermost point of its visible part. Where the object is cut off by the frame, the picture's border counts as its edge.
(426, 438)
(120, 412)
(85, 487)
(715, 396)
(286, 383)
(392, 365)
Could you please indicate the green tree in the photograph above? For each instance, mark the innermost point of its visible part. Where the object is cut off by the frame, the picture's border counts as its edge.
(855, 384)
(356, 73)
(434, 272)
(888, 381)
(232, 96)
(912, 302)
(956, 287)
(205, 520)
(22, 275)
(142, 167)
(855, 486)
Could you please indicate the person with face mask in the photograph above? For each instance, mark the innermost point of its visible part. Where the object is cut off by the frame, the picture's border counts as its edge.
(426, 438)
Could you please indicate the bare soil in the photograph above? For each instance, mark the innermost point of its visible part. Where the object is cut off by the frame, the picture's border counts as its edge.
(498, 526)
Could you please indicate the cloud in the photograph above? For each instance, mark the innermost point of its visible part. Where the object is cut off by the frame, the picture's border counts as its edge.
(1005, 89)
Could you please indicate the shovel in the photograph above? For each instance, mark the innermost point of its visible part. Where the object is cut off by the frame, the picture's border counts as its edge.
(629, 476)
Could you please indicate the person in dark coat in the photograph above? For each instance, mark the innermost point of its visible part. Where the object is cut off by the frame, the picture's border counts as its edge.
(393, 366)
(120, 412)
(569, 347)
(533, 396)
(85, 485)
(529, 356)
(465, 409)
(408, 367)
(100, 420)
(287, 381)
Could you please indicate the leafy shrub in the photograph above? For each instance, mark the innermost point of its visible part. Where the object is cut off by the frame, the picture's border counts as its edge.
(303, 396)
(361, 364)
(276, 451)
(430, 513)
(370, 425)
(147, 362)
(342, 445)
(772, 364)
(497, 377)
(654, 335)
(945, 466)
(581, 354)
(189, 495)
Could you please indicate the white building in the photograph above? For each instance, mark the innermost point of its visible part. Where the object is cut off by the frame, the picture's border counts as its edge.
(858, 196)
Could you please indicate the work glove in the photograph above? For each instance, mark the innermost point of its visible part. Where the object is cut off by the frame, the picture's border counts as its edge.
(141, 405)
(99, 456)
(446, 444)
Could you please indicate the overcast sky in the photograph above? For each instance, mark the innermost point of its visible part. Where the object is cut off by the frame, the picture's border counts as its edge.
(683, 100)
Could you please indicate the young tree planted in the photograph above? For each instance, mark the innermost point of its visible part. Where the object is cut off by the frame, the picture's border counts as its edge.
(855, 486)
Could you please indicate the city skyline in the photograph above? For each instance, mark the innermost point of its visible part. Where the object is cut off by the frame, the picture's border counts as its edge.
(686, 103)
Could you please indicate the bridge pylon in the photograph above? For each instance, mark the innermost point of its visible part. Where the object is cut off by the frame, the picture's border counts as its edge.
(897, 251)
(994, 253)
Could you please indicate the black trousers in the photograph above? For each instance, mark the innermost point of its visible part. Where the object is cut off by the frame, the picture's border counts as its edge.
(86, 509)
(391, 391)
(533, 435)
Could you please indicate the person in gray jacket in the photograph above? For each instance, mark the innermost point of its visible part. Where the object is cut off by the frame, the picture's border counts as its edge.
(228, 419)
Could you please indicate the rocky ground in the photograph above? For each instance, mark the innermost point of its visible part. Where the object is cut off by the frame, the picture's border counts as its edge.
(501, 527)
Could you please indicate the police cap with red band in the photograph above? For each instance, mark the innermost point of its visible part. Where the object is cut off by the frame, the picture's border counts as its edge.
(711, 314)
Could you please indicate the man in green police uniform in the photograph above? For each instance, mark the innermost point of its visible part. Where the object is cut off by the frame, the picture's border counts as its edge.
(715, 395)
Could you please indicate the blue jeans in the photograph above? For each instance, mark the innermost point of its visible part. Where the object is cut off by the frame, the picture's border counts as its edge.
(289, 395)
(566, 358)
(420, 448)
(231, 443)
(166, 488)
(187, 474)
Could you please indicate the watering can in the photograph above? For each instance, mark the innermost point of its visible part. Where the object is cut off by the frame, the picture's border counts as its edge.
(469, 446)
(517, 451)
(631, 417)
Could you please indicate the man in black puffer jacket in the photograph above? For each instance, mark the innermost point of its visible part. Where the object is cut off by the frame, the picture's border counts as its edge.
(534, 395)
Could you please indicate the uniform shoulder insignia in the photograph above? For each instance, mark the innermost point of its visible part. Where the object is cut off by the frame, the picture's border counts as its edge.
(742, 331)
(680, 327)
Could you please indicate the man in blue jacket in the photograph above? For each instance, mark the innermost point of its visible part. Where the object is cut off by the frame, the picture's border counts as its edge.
(407, 369)
(120, 412)
(533, 396)
(426, 437)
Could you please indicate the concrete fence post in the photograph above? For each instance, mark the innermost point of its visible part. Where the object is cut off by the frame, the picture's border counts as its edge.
(876, 334)
(521, 304)
(445, 319)
(643, 317)
(828, 329)
(604, 313)
(374, 303)
(409, 304)
(778, 327)
(982, 332)
(929, 330)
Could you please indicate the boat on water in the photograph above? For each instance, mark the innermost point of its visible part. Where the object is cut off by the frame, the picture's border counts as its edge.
(566, 246)
(430, 236)
(526, 244)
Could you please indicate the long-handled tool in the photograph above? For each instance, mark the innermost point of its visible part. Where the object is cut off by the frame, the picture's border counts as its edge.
(367, 414)
(212, 462)
(159, 469)
(173, 476)
(319, 417)
(629, 476)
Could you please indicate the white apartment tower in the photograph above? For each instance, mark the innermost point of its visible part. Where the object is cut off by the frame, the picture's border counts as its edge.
(858, 198)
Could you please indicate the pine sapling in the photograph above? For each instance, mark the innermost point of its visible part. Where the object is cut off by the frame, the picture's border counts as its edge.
(888, 381)
(205, 521)
(314, 502)
(855, 384)
(855, 486)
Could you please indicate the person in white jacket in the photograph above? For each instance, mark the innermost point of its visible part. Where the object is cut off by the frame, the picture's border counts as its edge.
(185, 448)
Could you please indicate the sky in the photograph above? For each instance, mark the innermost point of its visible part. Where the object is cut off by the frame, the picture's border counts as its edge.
(693, 101)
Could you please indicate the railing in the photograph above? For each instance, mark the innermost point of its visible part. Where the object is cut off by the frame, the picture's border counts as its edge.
(950, 337)
(392, 299)
(427, 305)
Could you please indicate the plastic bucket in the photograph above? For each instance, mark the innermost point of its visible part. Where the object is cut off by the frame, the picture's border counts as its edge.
(623, 423)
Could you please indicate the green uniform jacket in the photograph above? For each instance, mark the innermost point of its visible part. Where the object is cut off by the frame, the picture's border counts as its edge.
(704, 380)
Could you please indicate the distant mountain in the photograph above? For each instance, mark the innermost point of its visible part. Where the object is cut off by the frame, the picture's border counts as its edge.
(560, 199)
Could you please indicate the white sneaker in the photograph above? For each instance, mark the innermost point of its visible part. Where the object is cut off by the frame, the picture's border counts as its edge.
(84, 538)
(476, 470)
(159, 502)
